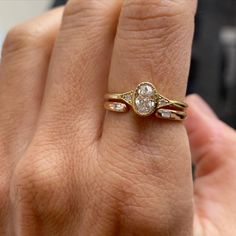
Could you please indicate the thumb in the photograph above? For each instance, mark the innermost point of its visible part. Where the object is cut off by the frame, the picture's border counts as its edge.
(212, 142)
(213, 148)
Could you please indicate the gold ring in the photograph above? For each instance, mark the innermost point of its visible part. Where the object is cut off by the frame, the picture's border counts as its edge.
(145, 101)
(166, 114)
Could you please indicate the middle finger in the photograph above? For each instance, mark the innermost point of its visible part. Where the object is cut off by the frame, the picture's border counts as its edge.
(79, 68)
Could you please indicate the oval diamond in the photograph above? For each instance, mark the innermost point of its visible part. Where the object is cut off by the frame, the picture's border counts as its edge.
(145, 99)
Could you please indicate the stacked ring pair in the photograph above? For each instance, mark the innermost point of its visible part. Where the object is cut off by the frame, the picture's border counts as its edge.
(146, 101)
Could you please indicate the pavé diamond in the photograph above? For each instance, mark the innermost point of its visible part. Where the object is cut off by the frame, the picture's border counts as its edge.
(163, 102)
(128, 97)
(145, 99)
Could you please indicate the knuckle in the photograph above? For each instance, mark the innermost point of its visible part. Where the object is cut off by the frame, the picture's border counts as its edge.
(22, 37)
(141, 203)
(144, 204)
(158, 18)
(90, 15)
(43, 183)
(88, 12)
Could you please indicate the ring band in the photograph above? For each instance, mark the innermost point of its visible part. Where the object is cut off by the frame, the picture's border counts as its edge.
(145, 101)
(171, 114)
(166, 114)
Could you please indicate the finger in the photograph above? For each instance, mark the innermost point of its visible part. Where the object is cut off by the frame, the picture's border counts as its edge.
(153, 43)
(79, 68)
(25, 56)
(212, 142)
(23, 70)
(213, 147)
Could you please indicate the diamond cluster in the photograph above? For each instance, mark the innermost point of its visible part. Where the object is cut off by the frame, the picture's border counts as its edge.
(145, 99)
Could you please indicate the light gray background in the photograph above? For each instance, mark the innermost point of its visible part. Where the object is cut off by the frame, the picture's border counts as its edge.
(13, 12)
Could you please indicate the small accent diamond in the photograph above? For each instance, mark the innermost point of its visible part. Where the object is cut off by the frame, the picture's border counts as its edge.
(119, 107)
(163, 102)
(165, 114)
(128, 97)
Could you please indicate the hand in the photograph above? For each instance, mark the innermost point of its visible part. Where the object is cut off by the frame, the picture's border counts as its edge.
(66, 167)
(213, 148)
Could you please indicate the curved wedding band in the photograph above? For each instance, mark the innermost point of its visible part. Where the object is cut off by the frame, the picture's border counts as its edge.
(167, 114)
(145, 101)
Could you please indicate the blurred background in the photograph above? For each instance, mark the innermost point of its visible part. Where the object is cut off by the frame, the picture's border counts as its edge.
(13, 12)
(213, 67)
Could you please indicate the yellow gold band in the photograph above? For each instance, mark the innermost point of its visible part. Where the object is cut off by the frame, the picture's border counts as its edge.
(171, 114)
(145, 101)
(166, 114)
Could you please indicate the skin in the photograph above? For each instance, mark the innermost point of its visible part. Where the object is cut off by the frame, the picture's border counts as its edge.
(70, 168)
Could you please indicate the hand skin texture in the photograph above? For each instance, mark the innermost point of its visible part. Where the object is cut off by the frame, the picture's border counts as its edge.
(69, 168)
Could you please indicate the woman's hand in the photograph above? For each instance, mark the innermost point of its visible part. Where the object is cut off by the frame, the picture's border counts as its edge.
(69, 169)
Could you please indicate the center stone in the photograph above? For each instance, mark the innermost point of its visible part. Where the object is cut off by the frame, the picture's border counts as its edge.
(145, 99)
